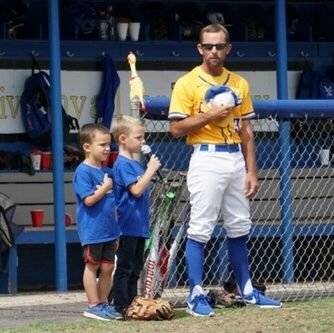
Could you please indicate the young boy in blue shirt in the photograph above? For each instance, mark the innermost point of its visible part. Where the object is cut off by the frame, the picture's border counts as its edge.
(96, 220)
(131, 188)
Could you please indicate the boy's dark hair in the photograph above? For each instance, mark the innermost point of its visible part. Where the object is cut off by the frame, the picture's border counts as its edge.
(87, 132)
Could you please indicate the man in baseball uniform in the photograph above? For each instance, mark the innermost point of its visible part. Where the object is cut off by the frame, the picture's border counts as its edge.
(222, 172)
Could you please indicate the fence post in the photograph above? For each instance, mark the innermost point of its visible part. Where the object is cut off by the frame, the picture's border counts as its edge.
(284, 140)
(286, 227)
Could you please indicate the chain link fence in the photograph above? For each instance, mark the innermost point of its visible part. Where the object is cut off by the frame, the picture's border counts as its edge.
(292, 240)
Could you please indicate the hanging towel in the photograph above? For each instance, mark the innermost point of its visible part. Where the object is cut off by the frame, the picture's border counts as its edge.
(105, 105)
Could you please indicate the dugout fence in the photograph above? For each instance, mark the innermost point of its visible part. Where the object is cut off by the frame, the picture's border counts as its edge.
(292, 240)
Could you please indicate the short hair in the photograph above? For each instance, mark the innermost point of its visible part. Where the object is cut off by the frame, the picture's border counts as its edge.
(87, 132)
(216, 27)
(123, 125)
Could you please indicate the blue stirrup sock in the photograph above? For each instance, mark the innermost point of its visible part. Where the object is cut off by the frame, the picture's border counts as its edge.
(238, 255)
(194, 260)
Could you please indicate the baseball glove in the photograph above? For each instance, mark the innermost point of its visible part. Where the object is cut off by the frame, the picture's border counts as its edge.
(231, 286)
(221, 297)
(150, 309)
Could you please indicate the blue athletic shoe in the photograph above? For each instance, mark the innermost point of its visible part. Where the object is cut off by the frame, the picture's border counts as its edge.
(198, 304)
(112, 311)
(99, 312)
(261, 300)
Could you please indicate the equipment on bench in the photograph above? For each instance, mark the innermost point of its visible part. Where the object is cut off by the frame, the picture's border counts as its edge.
(8, 229)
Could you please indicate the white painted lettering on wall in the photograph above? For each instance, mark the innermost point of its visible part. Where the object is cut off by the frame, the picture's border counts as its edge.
(81, 88)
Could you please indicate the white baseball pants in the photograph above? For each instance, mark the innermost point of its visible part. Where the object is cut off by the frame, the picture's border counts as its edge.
(215, 181)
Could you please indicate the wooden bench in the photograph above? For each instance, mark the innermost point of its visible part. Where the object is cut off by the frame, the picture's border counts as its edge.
(31, 192)
(312, 192)
(34, 192)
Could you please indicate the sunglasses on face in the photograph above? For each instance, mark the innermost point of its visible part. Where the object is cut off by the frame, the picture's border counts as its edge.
(209, 47)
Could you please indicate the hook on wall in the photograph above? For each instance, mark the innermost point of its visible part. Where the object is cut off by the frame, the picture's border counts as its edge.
(139, 53)
(34, 53)
(271, 54)
(240, 54)
(103, 54)
(70, 54)
(175, 54)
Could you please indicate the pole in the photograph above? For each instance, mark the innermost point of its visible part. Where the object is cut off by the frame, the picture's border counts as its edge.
(57, 148)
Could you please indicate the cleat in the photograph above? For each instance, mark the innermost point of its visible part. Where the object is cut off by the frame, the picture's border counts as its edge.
(197, 304)
(259, 299)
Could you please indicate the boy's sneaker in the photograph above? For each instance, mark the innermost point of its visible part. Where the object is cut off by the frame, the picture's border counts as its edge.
(112, 311)
(261, 300)
(198, 303)
(99, 312)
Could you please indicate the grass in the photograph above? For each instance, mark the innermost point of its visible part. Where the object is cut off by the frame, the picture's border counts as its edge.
(314, 316)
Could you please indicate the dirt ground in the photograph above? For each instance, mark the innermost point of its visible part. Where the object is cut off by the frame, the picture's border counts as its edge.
(23, 309)
(26, 309)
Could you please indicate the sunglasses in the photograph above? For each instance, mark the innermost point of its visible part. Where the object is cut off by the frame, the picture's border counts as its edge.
(209, 47)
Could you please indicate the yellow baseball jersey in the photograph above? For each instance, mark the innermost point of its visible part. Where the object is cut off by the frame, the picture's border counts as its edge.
(188, 100)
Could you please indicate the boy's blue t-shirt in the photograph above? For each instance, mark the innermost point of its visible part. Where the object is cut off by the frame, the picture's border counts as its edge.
(97, 223)
(132, 212)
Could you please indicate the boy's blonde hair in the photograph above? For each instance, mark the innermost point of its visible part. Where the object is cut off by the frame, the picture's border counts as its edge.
(123, 125)
(88, 131)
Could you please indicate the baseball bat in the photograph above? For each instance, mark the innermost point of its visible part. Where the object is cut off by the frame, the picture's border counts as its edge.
(159, 211)
(169, 249)
(172, 253)
(165, 240)
(154, 240)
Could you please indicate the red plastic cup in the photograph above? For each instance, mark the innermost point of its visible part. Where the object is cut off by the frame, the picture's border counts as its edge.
(37, 217)
(112, 158)
(68, 219)
(105, 162)
(46, 160)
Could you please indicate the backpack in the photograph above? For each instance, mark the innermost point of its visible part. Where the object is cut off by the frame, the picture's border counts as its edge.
(36, 112)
